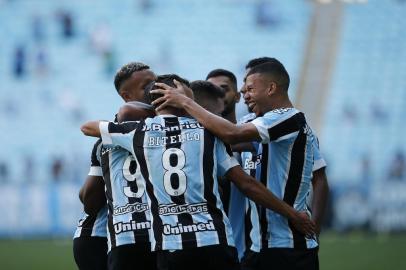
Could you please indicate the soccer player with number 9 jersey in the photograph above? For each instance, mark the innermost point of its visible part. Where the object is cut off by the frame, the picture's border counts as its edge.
(180, 161)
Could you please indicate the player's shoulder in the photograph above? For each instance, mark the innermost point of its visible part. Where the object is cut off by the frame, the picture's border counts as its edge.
(247, 118)
(277, 115)
(281, 112)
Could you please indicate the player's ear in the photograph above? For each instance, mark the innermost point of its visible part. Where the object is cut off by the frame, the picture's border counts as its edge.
(271, 88)
(237, 97)
(125, 96)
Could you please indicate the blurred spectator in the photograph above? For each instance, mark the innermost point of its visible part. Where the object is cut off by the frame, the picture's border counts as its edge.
(19, 62)
(109, 61)
(101, 41)
(350, 113)
(378, 113)
(41, 62)
(11, 108)
(57, 167)
(101, 38)
(264, 13)
(66, 23)
(146, 5)
(397, 167)
(4, 172)
(38, 31)
(165, 56)
(68, 101)
(29, 170)
(366, 175)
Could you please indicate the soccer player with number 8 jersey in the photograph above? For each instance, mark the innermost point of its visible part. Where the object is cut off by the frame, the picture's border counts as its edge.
(180, 161)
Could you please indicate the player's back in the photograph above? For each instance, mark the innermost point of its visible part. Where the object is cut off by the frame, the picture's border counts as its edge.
(183, 161)
(180, 162)
(128, 211)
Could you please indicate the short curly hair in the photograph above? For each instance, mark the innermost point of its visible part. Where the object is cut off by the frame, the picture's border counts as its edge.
(166, 79)
(126, 71)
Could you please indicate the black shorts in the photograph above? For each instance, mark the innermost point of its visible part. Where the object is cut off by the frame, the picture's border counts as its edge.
(250, 260)
(289, 258)
(216, 257)
(133, 256)
(90, 253)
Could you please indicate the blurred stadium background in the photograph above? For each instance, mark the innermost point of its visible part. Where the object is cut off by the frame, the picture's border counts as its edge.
(347, 61)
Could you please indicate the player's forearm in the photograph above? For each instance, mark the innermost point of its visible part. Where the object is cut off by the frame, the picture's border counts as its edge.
(261, 195)
(243, 147)
(81, 194)
(91, 129)
(258, 192)
(93, 194)
(220, 127)
(320, 197)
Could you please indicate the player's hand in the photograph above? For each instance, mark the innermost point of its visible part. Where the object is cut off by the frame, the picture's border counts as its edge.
(302, 222)
(171, 96)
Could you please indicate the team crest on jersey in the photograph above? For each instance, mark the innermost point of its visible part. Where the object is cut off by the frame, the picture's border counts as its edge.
(307, 130)
(82, 220)
(105, 150)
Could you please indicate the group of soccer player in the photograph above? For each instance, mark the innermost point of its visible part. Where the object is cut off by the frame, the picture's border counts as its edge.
(176, 182)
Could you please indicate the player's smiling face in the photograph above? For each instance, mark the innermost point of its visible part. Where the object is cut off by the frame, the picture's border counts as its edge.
(256, 93)
(132, 89)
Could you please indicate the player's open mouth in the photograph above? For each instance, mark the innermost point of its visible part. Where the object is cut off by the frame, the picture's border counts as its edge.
(251, 105)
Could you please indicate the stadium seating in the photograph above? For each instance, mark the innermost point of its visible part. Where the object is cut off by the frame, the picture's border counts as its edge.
(76, 82)
(40, 115)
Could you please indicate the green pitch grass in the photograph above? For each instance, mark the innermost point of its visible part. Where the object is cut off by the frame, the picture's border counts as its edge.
(341, 252)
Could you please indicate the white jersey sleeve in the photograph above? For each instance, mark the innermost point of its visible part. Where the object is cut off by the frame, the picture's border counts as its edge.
(225, 158)
(122, 135)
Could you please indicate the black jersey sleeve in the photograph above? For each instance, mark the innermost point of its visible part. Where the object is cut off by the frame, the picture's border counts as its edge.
(95, 167)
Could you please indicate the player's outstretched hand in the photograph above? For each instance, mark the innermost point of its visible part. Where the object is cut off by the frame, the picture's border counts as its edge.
(91, 128)
(304, 224)
(174, 97)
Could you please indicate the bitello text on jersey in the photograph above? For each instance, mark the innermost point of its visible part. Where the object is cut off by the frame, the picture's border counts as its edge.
(180, 162)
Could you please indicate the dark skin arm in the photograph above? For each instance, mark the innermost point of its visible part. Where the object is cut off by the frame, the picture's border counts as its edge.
(134, 111)
(320, 197)
(131, 111)
(243, 147)
(224, 129)
(92, 194)
(261, 195)
(91, 129)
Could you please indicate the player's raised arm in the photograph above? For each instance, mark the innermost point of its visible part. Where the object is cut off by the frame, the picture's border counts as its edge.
(224, 129)
(134, 110)
(91, 129)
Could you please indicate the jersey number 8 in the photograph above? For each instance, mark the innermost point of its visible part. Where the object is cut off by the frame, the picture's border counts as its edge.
(132, 173)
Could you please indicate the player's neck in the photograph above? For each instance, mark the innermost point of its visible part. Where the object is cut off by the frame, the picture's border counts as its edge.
(280, 102)
(231, 117)
(170, 111)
